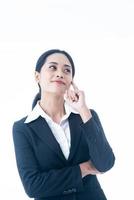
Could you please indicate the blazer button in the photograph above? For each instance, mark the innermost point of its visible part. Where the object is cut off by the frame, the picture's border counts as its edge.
(74, 190)
(65, 192)
(69, 191)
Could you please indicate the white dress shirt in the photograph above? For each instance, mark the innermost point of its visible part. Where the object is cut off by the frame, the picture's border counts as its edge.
(61, 131)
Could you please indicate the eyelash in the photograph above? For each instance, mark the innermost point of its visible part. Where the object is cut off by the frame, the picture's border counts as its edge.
(54, 67)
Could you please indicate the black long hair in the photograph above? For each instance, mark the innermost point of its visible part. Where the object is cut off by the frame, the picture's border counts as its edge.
(40, 63)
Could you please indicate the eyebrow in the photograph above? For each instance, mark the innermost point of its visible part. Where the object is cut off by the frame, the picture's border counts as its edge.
(55, 63)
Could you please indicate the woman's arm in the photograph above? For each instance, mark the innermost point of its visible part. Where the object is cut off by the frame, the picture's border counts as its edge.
(39, 183)
(101, 153)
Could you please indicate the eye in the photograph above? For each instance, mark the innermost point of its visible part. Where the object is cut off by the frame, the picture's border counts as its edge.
(52, 67)
(67, 70)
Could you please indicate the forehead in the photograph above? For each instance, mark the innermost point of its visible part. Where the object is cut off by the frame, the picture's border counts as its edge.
(59, 58)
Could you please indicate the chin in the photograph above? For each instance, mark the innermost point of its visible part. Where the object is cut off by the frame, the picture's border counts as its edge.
(59, 92)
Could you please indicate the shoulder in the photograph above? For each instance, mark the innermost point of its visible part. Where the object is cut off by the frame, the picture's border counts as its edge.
(20, 133)
(93, 112)
(19, 123)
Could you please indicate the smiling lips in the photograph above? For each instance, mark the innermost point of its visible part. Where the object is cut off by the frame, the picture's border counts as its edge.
(59, 82)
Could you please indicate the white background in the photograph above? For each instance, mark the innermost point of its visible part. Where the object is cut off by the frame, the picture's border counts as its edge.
(100, 37)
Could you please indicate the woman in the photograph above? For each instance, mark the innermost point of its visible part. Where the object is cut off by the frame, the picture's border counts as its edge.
(60, 146)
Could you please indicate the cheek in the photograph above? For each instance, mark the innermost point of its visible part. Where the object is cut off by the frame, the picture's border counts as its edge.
(69, 83)
(43, 83)
(44, 78)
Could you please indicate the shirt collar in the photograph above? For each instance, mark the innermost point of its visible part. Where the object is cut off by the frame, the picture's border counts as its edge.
(38, 111)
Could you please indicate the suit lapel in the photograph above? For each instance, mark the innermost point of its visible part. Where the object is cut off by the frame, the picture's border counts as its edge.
(75, 130)
(42, 129)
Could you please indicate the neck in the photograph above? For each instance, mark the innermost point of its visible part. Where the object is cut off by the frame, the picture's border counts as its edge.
(53, 105)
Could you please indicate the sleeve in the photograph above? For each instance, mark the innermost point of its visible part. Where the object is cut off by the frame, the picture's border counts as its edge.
(39, 183)
(101, 153)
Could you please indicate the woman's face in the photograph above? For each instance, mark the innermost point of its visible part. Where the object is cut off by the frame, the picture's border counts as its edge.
(55, 75)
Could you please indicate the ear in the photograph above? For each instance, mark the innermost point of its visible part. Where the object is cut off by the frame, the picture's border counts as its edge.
(37, 76)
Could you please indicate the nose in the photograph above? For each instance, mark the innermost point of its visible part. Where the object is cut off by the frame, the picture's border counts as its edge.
(59, 75)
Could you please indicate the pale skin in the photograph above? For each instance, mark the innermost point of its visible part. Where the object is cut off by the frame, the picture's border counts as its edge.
(55, 79)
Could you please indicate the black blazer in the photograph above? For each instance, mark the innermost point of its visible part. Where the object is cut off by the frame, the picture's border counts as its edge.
(43, 169)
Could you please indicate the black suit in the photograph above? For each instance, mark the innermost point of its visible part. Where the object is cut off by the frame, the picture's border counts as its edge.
(44, 171)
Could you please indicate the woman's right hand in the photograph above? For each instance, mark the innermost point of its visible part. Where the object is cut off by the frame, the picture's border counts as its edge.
(88, 168)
